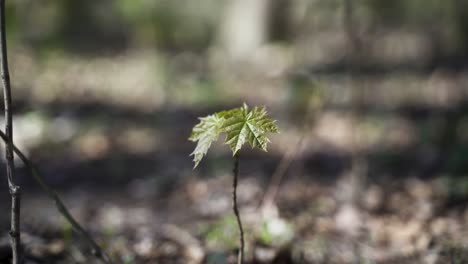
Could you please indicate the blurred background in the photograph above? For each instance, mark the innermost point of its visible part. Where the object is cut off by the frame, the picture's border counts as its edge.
(370, 97)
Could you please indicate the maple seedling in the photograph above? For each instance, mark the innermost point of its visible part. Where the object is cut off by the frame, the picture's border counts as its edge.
(241, 125)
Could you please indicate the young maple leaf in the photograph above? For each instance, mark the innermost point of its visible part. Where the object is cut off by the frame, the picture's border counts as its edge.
(205, 133)
(248, 126)
(241, 125)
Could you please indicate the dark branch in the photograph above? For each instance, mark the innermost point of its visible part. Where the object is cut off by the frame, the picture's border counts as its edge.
(34, 171)
(14, 189)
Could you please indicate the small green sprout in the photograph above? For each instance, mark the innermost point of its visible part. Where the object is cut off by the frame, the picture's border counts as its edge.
(241, 125)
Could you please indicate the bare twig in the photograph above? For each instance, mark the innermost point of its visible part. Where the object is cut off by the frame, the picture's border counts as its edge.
(11, 149)
(358, 173)
(277, 176)
(314, 106)
(97, 251)
(359, 164)
(240, 258)
(14, 189)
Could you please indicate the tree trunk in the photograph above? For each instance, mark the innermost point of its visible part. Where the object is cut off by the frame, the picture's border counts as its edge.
(245, 27)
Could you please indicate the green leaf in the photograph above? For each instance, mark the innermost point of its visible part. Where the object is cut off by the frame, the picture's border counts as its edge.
(205, 133)
(248, 126)
(240, 124)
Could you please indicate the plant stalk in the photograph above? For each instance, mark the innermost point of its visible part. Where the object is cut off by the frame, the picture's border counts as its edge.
(10, 165)
(240, 257)
(34, 171)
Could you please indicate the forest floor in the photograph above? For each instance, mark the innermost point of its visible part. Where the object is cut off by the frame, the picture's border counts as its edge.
(406, 221)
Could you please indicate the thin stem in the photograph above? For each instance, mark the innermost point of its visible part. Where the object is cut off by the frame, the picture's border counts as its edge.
(358, 171)
(313, 109)
(277, 176)
(34, 171)
(240, 258)
(14, 189)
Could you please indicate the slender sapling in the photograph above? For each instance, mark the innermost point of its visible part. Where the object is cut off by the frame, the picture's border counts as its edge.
(241, 125)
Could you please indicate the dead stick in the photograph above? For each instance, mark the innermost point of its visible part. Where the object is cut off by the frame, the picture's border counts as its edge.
(10, 165)
(97, 251)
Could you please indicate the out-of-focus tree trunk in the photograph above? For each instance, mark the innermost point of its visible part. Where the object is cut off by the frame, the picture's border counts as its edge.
(244, 27)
